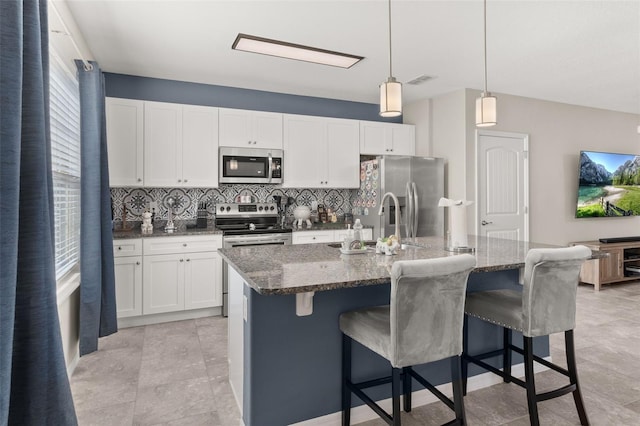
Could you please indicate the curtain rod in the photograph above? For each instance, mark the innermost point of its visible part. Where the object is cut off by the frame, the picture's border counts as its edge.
(87, 65)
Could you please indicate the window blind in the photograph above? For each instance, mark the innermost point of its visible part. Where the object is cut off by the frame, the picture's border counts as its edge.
(64, 104)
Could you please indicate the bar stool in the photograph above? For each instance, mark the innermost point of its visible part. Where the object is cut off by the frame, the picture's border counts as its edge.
(546, 305)
(422, 323)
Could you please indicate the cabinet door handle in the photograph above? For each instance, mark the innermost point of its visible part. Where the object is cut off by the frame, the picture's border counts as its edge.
(137, 263)
(188, 260)
(179, 180)
(139, 180)
(184, 244)
(181, 260)
(119, 248)
(185, 181)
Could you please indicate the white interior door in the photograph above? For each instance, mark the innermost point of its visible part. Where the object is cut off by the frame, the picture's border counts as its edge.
(503, 185)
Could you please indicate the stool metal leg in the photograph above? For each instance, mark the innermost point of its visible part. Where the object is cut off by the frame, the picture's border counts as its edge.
(346, 377)
(406, 388)
(465, 351)
(395, 395)
(530, 381)
(456, 382)
(573, 376)
(506, 354)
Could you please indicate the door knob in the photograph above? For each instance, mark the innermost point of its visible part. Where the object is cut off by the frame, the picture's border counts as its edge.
(484, 222)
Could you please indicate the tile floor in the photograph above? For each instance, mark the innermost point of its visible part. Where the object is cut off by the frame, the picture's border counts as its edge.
(176, 374)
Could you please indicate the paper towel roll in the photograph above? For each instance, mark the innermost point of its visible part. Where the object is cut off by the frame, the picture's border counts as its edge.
(457, 221)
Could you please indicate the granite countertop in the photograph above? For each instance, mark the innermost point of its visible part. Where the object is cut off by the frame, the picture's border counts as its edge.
(319, 267)
(134, 230)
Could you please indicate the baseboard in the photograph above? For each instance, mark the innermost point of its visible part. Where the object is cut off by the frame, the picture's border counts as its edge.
(168, 317)
(363, 413)
(73, 362)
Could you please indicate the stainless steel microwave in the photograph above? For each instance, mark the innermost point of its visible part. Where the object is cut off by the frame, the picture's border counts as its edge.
(250, 165)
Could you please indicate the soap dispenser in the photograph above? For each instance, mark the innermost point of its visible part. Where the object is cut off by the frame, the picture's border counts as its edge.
(357, 230)
(348, 239)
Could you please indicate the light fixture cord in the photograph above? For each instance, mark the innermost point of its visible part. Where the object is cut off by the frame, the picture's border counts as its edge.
(390, 69)
(485, 45)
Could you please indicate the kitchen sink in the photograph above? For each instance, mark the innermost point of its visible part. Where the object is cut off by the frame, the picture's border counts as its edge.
(366, 243)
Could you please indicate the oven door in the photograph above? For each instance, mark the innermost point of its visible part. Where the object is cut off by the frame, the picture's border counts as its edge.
(246, 241)
(250, 165)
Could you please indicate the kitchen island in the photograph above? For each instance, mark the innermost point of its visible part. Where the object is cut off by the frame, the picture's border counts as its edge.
(285, 368)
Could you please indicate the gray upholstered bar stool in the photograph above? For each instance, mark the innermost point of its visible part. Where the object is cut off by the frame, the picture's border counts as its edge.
(546, 305)
(422, 323)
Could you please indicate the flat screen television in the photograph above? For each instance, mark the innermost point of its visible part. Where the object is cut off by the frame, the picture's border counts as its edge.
(609, 185)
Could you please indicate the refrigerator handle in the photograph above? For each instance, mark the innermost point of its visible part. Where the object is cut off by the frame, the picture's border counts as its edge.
(408, 224)
(415, 209)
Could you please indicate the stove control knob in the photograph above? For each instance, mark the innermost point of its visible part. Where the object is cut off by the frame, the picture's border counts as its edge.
(271, 208)
(228, 208)
(260, 208)
(221, 209)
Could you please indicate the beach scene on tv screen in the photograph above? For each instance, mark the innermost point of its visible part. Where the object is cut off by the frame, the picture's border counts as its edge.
(609, 185)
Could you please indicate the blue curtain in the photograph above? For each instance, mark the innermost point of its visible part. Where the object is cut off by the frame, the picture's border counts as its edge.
(97, 286)
(34, 388)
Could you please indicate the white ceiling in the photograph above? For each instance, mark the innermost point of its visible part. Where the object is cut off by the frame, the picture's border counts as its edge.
(578, 52)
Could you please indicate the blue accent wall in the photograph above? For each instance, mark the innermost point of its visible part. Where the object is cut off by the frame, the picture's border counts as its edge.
(182, 92)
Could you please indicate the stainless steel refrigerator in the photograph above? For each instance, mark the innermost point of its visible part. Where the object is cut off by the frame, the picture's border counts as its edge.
(418, 183)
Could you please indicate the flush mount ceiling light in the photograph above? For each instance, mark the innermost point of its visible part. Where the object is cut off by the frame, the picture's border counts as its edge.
(283, 49)
(486, 104)
(390, 90)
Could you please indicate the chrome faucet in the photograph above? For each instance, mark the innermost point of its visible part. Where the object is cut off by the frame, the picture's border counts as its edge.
(397, 208)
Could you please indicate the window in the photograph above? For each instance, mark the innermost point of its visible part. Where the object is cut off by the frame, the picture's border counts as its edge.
(64, 107)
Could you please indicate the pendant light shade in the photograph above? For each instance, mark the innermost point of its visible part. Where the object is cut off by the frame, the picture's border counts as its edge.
(390, 90)
(486, 104)
(486, 114)
(390, 98)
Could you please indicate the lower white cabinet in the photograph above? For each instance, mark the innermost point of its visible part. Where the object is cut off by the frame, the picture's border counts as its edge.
(201, 270)
(328, 236)
(167, 274)
(311, 237)
(189, 276)
(128, 276)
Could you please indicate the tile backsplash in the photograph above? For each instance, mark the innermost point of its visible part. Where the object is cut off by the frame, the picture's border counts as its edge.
(137, 200)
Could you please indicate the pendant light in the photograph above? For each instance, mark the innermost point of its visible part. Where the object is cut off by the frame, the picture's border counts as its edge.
(486, 104)
(390, 90)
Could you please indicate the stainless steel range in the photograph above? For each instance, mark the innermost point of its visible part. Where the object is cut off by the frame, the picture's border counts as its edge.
(248, 224)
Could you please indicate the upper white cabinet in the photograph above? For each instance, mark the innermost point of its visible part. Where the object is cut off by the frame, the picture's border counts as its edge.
(253, 129)
(377, 138)
(320, 152)
(125, 129)
(180, 145)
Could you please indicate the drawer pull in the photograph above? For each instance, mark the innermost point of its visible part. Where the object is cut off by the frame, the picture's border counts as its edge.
(119, 248)
(181, 260)
(137, 263)
(184, 244)
(188, 260)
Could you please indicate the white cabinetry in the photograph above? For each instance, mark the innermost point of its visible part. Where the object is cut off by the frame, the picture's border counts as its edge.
(311, 237)
(377, 138)
(320, 152)
(329, 236)
(253, 129)
(128, 276)
(125, 129)
(181, 273)
(180, 145)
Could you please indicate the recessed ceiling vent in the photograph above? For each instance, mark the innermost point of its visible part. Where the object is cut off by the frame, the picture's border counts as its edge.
(420, 79)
